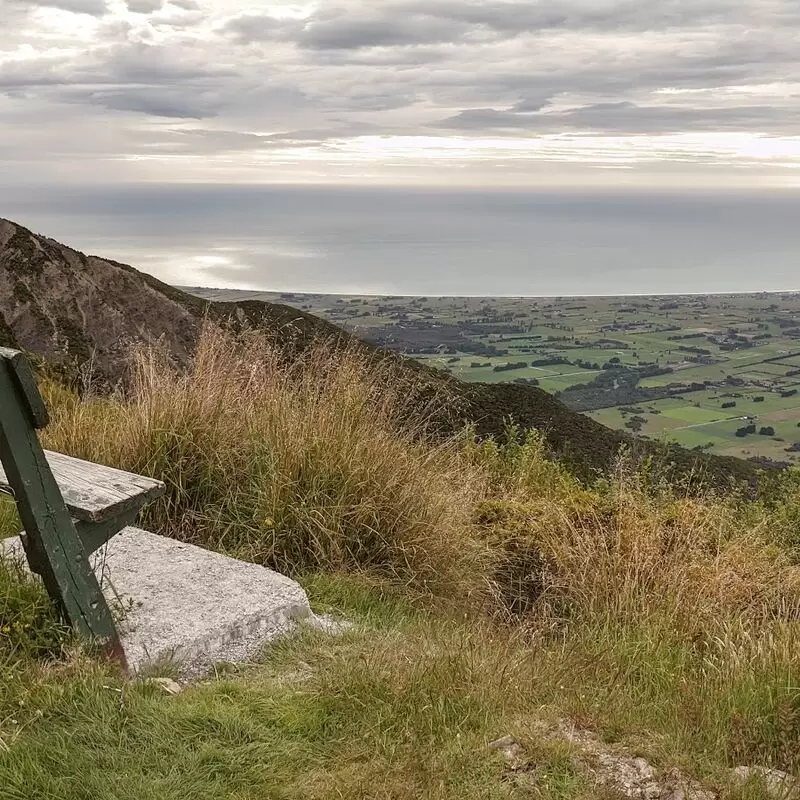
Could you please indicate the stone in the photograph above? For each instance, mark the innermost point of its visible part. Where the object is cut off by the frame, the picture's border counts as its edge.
(780, 785)
(510, 748)
(167, 684)
(180, 603)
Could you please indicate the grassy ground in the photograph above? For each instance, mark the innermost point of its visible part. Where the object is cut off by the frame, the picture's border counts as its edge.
(492, 592)
(699, 419)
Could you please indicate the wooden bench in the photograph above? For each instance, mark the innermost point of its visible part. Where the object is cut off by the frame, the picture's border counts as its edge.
(68, 507)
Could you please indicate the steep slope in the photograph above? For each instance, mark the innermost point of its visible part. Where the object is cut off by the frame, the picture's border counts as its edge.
(69, 308)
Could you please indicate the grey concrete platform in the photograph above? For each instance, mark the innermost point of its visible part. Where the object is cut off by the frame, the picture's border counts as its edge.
(191, 606)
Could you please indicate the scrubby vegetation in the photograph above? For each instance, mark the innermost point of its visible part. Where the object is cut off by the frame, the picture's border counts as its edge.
(495, 593)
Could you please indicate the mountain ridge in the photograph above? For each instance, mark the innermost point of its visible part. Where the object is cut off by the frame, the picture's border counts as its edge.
(73, 310)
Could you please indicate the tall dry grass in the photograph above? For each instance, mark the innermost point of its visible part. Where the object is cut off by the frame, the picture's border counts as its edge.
(319, 464)
(655, 611)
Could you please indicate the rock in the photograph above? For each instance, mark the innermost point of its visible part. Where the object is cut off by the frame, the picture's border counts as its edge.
(167, 684)
(780, 785)
(630, 776)
(193, 607)
(509, 747)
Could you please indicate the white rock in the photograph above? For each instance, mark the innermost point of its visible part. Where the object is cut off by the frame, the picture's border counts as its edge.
(167, 684)
(779, 784)
(191, 606)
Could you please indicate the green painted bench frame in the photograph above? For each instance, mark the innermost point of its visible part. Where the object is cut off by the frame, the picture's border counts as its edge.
(58, 547)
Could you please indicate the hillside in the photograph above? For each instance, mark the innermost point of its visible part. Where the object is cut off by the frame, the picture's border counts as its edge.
(70, 308)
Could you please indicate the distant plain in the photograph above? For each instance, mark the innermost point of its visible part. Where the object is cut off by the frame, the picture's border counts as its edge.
(714, 372)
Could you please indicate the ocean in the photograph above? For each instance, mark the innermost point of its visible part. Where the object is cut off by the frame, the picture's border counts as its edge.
(429, 241)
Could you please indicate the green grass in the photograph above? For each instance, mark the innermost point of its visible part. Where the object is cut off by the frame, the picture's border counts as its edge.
(652, 340)
(690, 415)
(403, 706)
(9, 522)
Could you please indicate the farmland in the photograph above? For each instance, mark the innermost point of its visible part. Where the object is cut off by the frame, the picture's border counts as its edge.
(719, 373)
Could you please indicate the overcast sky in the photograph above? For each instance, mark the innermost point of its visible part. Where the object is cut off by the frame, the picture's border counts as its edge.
(449, 92)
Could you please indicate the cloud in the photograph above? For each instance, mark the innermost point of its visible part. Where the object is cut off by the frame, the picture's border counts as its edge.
(341, 86)
(93, 7)
(340, 32)
(160, 102)
(624, 117)
(144, 6)
(254, 27)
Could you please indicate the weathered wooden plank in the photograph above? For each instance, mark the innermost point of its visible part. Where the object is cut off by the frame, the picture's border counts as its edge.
(95, 493)
(26, 384)
(51, 539)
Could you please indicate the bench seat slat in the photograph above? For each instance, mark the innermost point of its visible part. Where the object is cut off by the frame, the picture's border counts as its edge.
(95, 493)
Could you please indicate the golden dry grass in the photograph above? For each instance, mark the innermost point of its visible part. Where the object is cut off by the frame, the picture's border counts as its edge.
(316, 465)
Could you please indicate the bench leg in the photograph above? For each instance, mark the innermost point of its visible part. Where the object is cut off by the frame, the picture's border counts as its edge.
(53, 546)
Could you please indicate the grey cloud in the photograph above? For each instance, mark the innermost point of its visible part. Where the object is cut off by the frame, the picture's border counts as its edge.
(159, 102)
(449, 21)
(533, 103)
(600, 15)
(145, 63)
(345, 33)
(144, 6)
(95, 8)
(249, 28)
(356, 67)
(19, 75)
(145, 79)
(138, 64)
(622, 117)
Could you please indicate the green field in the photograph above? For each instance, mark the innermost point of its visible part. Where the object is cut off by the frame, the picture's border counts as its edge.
(679, 359)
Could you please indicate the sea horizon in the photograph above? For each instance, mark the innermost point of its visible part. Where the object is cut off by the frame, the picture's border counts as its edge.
(431, 242)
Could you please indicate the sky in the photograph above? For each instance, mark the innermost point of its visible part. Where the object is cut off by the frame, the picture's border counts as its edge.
(662, 94)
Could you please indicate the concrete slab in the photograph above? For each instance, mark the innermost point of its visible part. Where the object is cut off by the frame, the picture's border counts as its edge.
(188, 605)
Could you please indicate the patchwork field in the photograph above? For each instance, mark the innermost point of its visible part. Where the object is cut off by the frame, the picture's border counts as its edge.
(714, 372)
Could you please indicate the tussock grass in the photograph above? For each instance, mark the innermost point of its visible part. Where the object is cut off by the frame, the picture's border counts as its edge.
(315, 465)
(654, 616)
(659, 611)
